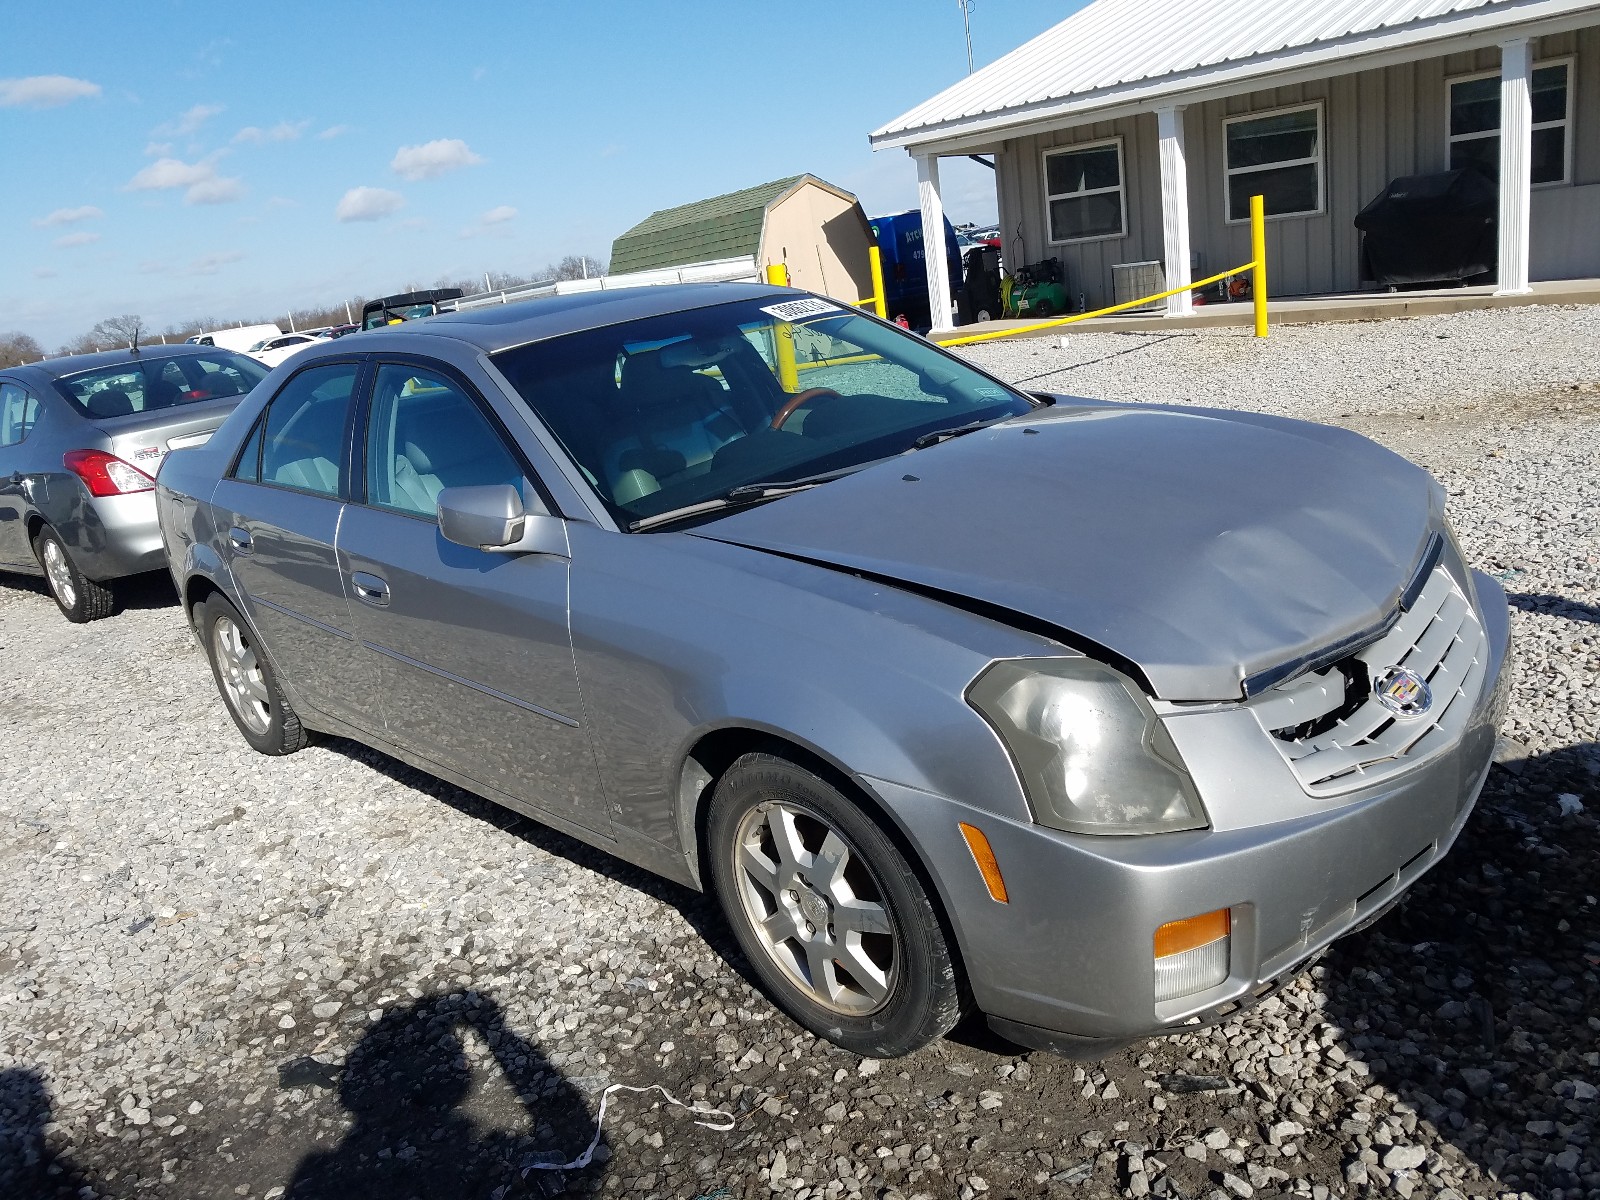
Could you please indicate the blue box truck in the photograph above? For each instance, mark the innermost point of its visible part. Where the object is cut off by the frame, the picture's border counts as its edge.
(905, 270)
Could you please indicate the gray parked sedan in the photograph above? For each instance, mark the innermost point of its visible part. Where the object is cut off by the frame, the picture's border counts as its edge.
(1095, 717)
(81, 439)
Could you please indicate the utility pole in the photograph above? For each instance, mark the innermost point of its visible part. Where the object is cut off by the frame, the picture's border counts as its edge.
(348, 319)
(966, 25)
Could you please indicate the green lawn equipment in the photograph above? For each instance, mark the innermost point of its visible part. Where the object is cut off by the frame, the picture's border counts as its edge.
(1035, 290)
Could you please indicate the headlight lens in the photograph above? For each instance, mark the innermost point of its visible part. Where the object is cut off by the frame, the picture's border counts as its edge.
(1093, 756)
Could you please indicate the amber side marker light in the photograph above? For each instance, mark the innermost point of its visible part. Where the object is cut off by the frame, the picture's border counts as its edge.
(988, 866)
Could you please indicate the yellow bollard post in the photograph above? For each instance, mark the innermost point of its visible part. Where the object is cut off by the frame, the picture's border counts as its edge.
(1258, 272)
(880, 304)
(783, 335)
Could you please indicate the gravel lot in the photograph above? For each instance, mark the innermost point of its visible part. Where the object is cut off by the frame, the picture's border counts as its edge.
(328, 975)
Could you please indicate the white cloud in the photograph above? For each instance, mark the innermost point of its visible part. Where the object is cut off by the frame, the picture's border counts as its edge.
(157, 149)
(200, 180)
(189, 121)
(44, 91)
(82, 238)
(167, 173)
(283, 131)
(209, 264)
(220, 190)
(333, 131)
(368, 204)
(487, 223)
(433, 159)
(69, 216)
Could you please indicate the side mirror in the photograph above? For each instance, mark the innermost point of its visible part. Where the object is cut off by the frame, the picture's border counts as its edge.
(492, 517)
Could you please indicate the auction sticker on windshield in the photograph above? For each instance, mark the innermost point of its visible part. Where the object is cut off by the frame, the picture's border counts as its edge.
(793, 310)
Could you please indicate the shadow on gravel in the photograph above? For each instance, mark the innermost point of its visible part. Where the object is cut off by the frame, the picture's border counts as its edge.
(152, 590)
(29, 1168)
(1555, 606)
(1477, 1002)
(407, 1084)
(699, 909)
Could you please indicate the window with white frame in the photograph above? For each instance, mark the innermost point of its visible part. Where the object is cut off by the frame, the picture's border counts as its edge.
(1083, 192)
(1278, 156)
(1474, 137)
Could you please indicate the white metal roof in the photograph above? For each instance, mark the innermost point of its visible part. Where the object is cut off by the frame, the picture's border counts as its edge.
(1114, 51)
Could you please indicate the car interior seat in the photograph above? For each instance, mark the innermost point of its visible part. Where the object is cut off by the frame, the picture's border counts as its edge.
(297, 456)
(675, 418)
(160, 393)
(110, 402)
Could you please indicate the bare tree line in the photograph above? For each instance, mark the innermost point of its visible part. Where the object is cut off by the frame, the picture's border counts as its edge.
(114, 333)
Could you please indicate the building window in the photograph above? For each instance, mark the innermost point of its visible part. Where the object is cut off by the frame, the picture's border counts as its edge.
(1474, 137)
(1278, 156)
(1083, 192)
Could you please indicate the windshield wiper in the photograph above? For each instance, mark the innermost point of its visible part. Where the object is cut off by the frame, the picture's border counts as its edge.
(745, 493)
(944, 435)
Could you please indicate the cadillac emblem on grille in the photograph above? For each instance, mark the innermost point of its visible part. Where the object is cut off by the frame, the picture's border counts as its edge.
(1403, 692)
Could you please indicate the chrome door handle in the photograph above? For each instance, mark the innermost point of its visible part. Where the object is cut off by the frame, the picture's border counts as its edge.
(241, 539)
(370, 588)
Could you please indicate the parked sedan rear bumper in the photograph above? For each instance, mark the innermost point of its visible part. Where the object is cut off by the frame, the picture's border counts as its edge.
(109, 536)
(1067, 962)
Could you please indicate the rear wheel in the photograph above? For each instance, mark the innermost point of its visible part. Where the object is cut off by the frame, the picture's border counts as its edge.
(80, 598)
(247, 683)
(828, 912)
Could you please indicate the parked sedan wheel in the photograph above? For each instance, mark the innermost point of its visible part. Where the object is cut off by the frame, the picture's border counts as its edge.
(80, 598)
(827, 910)
(247, 683)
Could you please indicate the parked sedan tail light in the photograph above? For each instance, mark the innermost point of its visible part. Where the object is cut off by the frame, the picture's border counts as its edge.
(106, 474)
(1192, 954)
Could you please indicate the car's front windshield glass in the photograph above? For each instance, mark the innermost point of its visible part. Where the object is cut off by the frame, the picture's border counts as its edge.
(148, 381)
(680, 410)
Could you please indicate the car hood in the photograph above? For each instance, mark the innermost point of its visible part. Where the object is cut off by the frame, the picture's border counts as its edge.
(1202, 547)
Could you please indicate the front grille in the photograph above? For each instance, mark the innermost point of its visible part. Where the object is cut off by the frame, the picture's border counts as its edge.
(1330, 727)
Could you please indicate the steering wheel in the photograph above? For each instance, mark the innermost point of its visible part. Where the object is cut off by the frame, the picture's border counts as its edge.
(795, 401)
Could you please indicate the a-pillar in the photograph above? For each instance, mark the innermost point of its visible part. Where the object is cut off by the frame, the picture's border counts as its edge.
(1516, 164)
(1175, 208)
(933, 248)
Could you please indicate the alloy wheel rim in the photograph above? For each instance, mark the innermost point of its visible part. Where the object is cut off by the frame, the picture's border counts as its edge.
(59, 572)
(243, 684)
(817, 908)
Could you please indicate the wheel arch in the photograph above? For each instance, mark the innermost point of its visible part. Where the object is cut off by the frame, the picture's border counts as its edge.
(718, 749)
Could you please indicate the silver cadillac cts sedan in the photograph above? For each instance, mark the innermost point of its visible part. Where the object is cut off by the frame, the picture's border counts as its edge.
(1096, 718)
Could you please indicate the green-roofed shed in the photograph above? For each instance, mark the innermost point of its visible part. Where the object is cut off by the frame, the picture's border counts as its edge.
(818, 232)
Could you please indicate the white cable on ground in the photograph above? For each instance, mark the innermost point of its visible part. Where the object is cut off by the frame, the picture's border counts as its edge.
(723, 1124)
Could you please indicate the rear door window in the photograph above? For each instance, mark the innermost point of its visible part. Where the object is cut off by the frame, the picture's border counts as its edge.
(303, 438)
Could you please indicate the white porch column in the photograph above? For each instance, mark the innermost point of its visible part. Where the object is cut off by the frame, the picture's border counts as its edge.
(1175, 207)
(1516, 164)
(933, 241)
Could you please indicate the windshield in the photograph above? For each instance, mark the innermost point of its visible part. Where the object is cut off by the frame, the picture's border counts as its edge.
(380, 317)
(680, 410)
(149, 382)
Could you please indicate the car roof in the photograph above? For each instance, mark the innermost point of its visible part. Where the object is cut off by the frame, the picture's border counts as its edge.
(501, 326)
(71, 364)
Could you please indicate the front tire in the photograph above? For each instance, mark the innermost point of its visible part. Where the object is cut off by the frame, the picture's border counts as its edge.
(830, 915)
(246, 680)
(79, 598)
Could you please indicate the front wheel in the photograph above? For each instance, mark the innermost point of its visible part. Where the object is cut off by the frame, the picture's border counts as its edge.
(247, 682)
(80, 598)
(829, 913)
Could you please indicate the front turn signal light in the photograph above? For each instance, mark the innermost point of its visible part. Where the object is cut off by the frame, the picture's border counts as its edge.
(1192, 955)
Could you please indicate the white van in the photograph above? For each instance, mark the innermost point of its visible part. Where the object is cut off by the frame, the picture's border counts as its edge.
(241, 338)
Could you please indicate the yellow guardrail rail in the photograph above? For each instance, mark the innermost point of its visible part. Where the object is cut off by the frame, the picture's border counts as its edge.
(1257, 267)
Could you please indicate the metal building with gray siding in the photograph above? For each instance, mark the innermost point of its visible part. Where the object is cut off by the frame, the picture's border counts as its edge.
(1118, 134)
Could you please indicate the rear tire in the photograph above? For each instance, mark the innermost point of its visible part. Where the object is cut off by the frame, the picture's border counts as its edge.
(80, 598)
(247, 682)
(828, 912)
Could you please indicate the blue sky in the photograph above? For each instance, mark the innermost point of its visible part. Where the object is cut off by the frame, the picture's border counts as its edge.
(180, 160)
